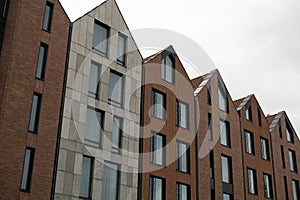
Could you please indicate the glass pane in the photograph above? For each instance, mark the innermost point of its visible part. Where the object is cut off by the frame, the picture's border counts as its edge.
(295, 186)
(93, 128)
(115, 89)
(158, 105)
(85, 177)
(121, 49)
(116, 133)
(47, 17)
(26, 170)
(34, 113)
(251, 181)
(182, 159)
(226, 196)
(183, 122)
(222, 100)
(158, 158)
(223, 133)
(41, 62)
(267, 186)
(100, 38)
(94, 80)
(110, 182)
(225, 170)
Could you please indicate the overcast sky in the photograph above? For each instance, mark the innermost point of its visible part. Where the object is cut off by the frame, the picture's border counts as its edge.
(255, 44)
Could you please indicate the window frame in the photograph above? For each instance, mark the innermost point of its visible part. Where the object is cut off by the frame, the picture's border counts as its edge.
(90, 177)
(117, 178)
(297, 192)
(164, 71)
(101, 123)
(293, 161)
(37, 114)
(229, 169)
(178, 117)
(154, 104)
(110, 93)
(50, 17)
(228, 134)
(187, 155)
(151, 184)
(120, 62)
(270, 186)
(248, 113)
(43, 65)
(91, 93)
(251, 137)
(253, 181)
(259, 117)
(267, 149)
(94, 47)
(210, 127)
(154, 152)
(178, 187)
(29, 172)
(223, 92)
(5, 9)
(289, 133)
(120, 129)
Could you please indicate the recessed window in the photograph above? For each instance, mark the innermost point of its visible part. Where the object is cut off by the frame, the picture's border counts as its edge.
(282, 156)
(252, 181)
(209, 130)
(182, 114)
(264, 147)
(86, 177)
(168, 69)
(117, 134)
(182, 157)
(42, 60)
(249, 113)
(286, 191)
(268, 186)
(3, 8)
(27, 169)
(296, 189)
(48, 16)
(259, 117)
(35, 112)
(226, 169)
(94, 80)
(121, 49)
(223, 101)
(293, 161)
(94, 121)
(157, 188)
(115, 89)
(249, 142)
(100, 39)
(227, 196)
(110, 183)
(158, 104)
(289, 134)
(158, 152)
(182, 191)
(224, 133)
(208, 91)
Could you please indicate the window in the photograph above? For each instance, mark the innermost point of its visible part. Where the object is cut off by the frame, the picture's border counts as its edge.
(183, 157)
(86, 177)
(252, 183)
(224, 133)
(48, 17)
(182, 114)
(100, 40)
(282, 156)
(264, 147)
(209, 94)
(94, 121)
(286, 188)
(210, 132)
(293, 162)
(158, 152)
(40, 71)
(121, 49)
(110, 181)
(249, 142)
(117, 134)
(227, 196)
(259, 117)
(115, 89)
(168, 69)
(295, 186)
(35, 112)
(280, 131)
(211, 164)
(249, 113)
(182, 191)
(3, 8)
(27, 169)
(158, 104)
(268, 186)
(289, 134)
(157, 188)
(226, 169)
(94, 80)
(223, 104)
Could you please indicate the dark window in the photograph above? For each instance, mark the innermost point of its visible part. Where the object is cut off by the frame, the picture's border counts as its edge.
(226, 169)
(280, 131)
(209, 95)
(252, 181)
(110, 183)
(115, 89)
(211, 164)
(264, 147)
(289, 134)
(86, 177)
(282, 156)
(35, 112)
(268, 186)
(296, 189)
(223, 101)
(183, 157)
(227, 196)
(286, 188)
(259, 117)
(224, 133)
(249, 113)
(182, 114)
(94, 80)
(94, 121)
(117, 134)
(182, 191)
(210, 131)
(168, 69)
(42, 60)
(157, 188)
(27, 169)
(293, 161)
(3, 8)
(158, 104)
(48, 16)
(249, 142)
(121, 49)
(100, 40)
(158, 152)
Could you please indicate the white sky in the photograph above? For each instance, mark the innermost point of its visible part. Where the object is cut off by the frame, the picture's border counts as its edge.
(255, 44)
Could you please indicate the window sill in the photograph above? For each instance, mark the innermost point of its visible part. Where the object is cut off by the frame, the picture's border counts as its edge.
(47, 31)
(159, 165)
(98, 52)
(162, 119)
(188, 173)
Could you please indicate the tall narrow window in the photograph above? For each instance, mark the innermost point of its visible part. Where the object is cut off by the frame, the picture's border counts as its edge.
(224, 133)
(121, 49)
(48, 16)
(252, 181)
(208, 94)
(157, 188)
(296, 189)
(259, 117)
(110, 182)
(226, 169)
(210, 131)
(249, 142)
(264, 147)
(115, 89)
(94, 119)
(117, 134)
(268, 186)
(94, 80)
(42, 60)
(212, 175)
(3, 8)
(289, 134)
(286, 188)
(168, 69)
(249, 113)
(27, 169)
(158, 152)
(183, 157)
(227, 196)
(86, 177)
(100, 40)
(293, 161)
(35, 112)
(223, 101)
(182, 191)
(182, 114)
(158, 104)
(282, 156)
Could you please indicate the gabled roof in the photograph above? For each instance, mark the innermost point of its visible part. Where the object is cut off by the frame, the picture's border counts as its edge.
(206, 78)
(240, 103)
(275, 120)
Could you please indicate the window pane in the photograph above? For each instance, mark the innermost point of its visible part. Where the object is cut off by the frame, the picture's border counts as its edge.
(249, 113)
(100, 38)
(157, 149)
(27, 169)
(182, 192)
(35, 112)
(249, 142)
(292, 158)
(226, 196)
(110, 181)
(251, 181)
(157, 188)
(158, 103)
(222, 100)
(48, 16)
(40, 71)
(3, 8)
(182, 114)
(115, 89)
(210, 133)
(93, 128)
(168, 69)
(264, 148)
(267, 186)
(289, 134)
(226, 169)
(86, 178)
(121, 49)
(116, 134)
(182, 152)
(295, 186)
(94, 80)
(224, 133)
